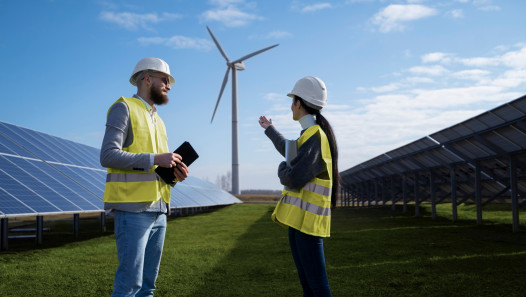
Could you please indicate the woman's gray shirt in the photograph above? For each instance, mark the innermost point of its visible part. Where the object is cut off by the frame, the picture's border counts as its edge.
(307, 164)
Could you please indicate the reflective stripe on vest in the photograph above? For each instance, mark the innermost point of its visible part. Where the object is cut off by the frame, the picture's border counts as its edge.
(312, 187)
(133, 186)
(306, 206)
(309, 210)
(131, 177)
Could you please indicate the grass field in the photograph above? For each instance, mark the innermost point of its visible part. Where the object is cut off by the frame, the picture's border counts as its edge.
(238, 251)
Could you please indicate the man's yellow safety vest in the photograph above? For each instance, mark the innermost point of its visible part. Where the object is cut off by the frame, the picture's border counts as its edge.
(309, 210)
(134, 186)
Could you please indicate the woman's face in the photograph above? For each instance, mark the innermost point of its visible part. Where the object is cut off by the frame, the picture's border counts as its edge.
(295, 107)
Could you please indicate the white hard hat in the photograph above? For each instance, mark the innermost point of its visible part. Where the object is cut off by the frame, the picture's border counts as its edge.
(312, 90)
(154, 64)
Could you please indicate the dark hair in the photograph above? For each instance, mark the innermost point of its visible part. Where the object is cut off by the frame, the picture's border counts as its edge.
(326, 127)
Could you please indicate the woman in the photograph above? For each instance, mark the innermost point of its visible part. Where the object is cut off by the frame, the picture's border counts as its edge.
(313, 173)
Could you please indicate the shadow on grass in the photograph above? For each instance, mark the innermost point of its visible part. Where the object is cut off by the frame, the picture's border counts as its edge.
(260, 264)
(378, 252)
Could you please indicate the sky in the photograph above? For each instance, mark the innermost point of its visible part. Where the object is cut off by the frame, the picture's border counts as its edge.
(395, 71)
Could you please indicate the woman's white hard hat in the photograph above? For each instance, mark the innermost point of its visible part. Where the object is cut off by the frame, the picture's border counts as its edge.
(154, 64)
(312, 90)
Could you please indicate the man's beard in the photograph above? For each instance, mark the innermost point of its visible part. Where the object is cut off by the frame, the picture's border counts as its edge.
(158, 97)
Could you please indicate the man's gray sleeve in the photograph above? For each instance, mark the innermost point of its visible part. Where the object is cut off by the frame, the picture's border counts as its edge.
(118, 135)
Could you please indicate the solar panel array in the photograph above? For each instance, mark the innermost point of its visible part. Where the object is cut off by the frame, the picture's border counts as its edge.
(484, 156)
(42, 174)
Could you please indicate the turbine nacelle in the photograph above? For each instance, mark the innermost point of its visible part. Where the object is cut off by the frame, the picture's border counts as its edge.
(237, 66)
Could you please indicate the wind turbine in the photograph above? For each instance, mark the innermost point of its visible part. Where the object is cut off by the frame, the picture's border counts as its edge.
(234, 66)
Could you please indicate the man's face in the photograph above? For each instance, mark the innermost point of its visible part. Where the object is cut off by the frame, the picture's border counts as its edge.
(160, 88)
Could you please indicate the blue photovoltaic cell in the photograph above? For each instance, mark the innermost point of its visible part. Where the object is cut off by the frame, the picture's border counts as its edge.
(11, 148)
(21, 171)
(180, 199)
(10, 205)
(64, 186)
(94, 176)
(79, 178)
(11, 185)
(60, 153)
(13, 132)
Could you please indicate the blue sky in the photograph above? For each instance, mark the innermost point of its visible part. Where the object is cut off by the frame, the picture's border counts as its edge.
(395, 70)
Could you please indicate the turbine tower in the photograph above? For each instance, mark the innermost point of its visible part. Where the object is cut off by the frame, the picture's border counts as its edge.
(234, 66)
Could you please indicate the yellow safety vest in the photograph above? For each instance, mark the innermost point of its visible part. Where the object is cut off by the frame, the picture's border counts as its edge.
(134, 186)
(309, 210)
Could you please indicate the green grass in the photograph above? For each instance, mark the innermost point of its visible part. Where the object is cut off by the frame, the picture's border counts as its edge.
(238, 251)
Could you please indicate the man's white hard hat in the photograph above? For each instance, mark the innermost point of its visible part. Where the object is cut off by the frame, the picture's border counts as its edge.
(154, 64)
(312, 90)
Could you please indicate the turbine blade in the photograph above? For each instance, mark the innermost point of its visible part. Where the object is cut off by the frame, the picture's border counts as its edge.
(220, 93)
(254, 53)
(217, 44)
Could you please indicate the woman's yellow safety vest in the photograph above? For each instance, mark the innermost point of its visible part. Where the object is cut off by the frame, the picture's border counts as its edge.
(309, 210)
(134, 186)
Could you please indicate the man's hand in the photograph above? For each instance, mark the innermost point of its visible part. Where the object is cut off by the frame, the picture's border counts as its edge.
(171, 160)
(167, 160)
(181, 171)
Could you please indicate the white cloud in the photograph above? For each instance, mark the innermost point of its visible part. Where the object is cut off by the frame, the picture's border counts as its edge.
(472, 74)
(387, 88)
(316, 7)
(133, 21)
(419, 80)
(393, 17)
(429, 70)
(480, 61)
(229, 14)
(178, 42)
(436, 57)
(455, 13)
(486, 5)
(273, 35)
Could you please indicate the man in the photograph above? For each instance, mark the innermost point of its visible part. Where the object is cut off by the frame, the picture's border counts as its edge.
(134, 144)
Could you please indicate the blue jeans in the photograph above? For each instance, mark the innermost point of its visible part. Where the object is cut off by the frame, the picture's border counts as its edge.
(307, 251)
(140, 239)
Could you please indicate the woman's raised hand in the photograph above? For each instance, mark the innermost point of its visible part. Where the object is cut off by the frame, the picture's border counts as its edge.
(264, 123)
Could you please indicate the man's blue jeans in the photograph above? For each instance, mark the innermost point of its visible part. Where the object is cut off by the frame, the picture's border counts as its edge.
(140, 239)
(307, 251)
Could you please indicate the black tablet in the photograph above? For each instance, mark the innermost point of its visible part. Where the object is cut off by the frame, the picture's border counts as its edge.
(188, 154)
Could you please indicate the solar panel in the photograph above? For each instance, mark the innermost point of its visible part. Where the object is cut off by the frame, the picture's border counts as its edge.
(44, 174)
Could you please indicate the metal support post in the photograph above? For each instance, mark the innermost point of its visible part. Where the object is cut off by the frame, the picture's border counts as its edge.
(453, 180)
(478, 192)
(404, 194)
(417, 199)
(432, 189)
(40, 223)
(393, 205)
(375, 193)
(514, 193)
(76, 225)
(3, 239)
(384, 189)
(102, 222)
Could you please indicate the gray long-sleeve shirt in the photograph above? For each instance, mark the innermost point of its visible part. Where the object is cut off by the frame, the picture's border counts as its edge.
(307, 164)
(118, 135)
